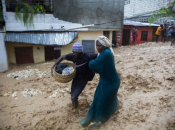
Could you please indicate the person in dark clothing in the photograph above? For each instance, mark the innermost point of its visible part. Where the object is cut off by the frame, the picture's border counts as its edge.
(83, 72)
(163, 33)
(172, 34)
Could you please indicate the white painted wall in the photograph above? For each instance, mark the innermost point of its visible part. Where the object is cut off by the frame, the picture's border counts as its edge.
(40, 22)
(3, 54)
(45, 22)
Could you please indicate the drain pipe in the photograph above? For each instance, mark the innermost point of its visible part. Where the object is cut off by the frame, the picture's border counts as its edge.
(91, 25)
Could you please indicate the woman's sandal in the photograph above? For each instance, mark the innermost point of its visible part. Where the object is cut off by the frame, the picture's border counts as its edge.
(95, 126)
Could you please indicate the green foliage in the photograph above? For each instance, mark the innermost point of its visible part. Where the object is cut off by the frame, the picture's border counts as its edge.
(163, 12)
(48, 9)
(25, 12)
(1, 13)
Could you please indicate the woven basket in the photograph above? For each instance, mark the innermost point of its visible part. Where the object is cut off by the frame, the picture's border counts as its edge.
(64, 78)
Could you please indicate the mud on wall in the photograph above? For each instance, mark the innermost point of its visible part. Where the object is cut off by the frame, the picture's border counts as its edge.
(91, 12)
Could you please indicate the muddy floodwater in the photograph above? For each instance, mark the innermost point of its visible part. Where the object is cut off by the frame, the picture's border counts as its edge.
(30, 99)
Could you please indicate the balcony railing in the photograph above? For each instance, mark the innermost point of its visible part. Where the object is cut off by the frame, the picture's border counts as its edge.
(47, 4)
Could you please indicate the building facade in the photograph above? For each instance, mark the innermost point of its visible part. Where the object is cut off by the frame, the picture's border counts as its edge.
(146, 33)
(141, 10)
(105, 15)
(42, 41)
(50, 36)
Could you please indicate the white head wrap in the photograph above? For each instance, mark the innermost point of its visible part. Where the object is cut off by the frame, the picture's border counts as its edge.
(105, 42)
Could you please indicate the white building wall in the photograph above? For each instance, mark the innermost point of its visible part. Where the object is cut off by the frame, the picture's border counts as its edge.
(41, 22)
(45, 22)
(139, 7)
(3, 54)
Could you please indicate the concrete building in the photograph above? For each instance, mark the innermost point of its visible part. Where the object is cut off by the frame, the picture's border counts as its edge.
(50, 36)
(141, 10)
(3, 55)
(105, 16)
(146, 33)
(32, 44)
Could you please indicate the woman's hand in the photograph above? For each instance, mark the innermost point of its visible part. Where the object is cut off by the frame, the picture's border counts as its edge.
(57, 62)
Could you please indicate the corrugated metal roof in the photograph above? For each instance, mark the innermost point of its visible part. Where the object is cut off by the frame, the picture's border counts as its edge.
(133, 23)
(45, 38)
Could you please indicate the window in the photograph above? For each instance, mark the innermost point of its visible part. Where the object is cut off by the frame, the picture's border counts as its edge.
(118, 36)
(144, 35)
(106, 33)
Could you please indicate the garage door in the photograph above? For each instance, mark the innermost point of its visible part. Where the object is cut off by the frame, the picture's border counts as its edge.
(24, 55)
(88, 46)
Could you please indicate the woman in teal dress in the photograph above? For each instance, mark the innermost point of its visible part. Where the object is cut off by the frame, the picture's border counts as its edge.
(105, 100)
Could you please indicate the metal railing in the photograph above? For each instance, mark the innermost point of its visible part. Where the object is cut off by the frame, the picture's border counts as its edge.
(47, 4)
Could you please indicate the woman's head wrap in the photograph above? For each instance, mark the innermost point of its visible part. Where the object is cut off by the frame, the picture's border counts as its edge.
(105, 42)
(77, 47)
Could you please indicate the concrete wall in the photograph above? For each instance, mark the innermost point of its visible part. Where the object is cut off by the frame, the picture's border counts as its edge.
(46, 22)
(38, 54)
(3, 55)
(84, 35)
(91, 12)
(67, 49)
(40, 21)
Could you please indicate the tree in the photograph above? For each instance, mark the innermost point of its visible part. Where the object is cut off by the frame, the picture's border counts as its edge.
(169, 11)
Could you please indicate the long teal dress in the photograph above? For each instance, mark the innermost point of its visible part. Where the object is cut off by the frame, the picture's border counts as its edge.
(105, 100)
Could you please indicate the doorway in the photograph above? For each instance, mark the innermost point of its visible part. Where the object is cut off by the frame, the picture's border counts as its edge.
(126, 37)
(153, 34)
(51, 54)
(24, 55)
(114, 42)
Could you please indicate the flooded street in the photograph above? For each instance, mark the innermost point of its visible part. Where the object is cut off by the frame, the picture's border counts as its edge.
(31, 99)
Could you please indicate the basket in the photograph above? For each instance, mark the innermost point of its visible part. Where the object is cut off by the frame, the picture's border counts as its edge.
(64, 78)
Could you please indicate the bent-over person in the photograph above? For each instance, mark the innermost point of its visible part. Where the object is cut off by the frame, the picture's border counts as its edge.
(83, 72)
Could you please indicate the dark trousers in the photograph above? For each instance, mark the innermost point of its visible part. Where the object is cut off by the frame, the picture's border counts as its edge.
(77, 87)
(157, 36)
